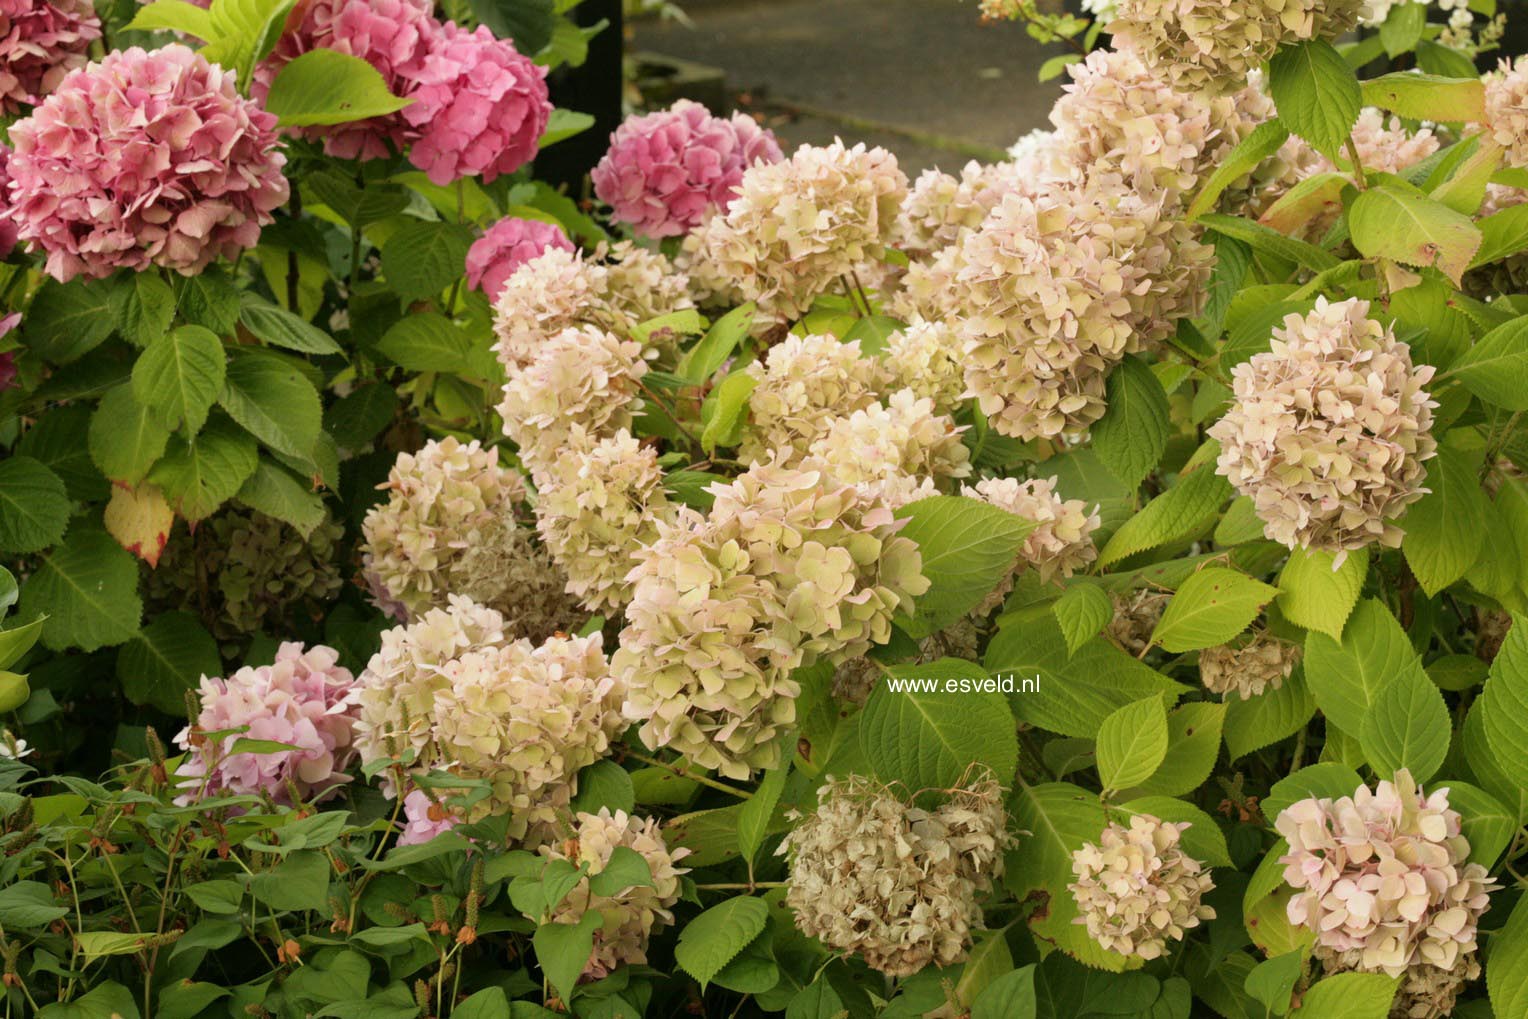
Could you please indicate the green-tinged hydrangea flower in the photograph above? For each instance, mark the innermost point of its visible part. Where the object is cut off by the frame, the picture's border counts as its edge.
(633, 914)
(1136, 890)
(941, 207)
(893, 882)
(455, 694)
(929, 358)
(788, 567)
(896, 450)
(1060, 545)
(805, 382)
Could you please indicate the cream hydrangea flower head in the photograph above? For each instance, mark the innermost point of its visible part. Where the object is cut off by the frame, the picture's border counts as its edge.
(632, 915)
(1136, 889)
(642, 284)
(896, 450)
(1060, 545)
(1507, 109)
(1329, 430)
(600, 502)
(927, 357)
(454, 692)
(1246, 670)
(788, 567)
(1381, 878)
(800, 227)
(895, 883)
(941, 207)
(1212, 46)
(582, 377)
(805, 381)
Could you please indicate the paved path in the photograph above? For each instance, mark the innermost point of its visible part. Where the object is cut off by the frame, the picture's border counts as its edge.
(938, 83)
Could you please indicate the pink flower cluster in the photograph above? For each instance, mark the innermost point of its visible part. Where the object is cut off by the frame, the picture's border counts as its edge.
(7, 228)
(665, 171)
(479, 106)
(303, 699)
(505, 247)
(40, 42)
(423, 818)
(144, 159)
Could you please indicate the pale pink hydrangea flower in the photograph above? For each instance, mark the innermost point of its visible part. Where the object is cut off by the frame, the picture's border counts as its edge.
(1507, 109)
(664, 171)
(147, 158)
(393, 36)
(941, 207)
(304, 699)
(505, 247)
(424, 818)
(7, 228)
(1061, 543)
(1137, 889)
(480, 107)
(40, 42)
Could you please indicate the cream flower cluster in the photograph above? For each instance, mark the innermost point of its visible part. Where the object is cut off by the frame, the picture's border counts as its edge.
(896, 450)
(1329, 430)
(633, 914)
(895, 883)
(941, 207)
(1246, 670)
(1381, 878)
(786, 568)
(1136, 889)
(1060, 545)
(928, 358)
(803, 383)
(802, 226)
(1507, 109)
(451, 692)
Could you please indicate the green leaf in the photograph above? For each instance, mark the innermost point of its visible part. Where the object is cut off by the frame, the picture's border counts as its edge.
(1402, 29)
(17, 641)
(180, 375)
(280, 328)
(968, 547)
(210, 299)
(1176, 515)
(1446, 528)
(604, 784)
(564, 124)
(427, 342)
(274, 402)
(1212, 606)
(360, 415)
(1132, 435)
(167, 657)
(1407, 727)
(1347, 676)
(1317, 596)
(88, 588)
(1265, 139)
(1414, 230)
(1502, 233)
(1349, 996)
(1083, 610)
(1496, 367)
(1193, 744)
(1316, 93)
(701, 361)
(1010, 996)
(1504, 704)
(1427, 96)
(1273, 981)
(325, 86)
(818, 1000)
(277, 492)
(1507, 966)
(1132, 743)
(528, 22)
(244, 32)
(930, 738)
(173, 16)
(297, 882)
(200, 475)
(755, 814)
(65, 321)
(728, 406)
(145, 307)
(489, 1003)
(1271, 242)
(34, 506)
(422, 259)
(1269, 717)
(125, 436)
(715, 937)
(28, 905)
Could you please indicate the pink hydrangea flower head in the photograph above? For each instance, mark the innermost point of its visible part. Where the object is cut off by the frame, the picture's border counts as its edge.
(423, 819)
(394, 36)
(8, 359)
(304, 699)
(40, 42)
(7, 228)
(505, 247)
(480, 107)
(146, 158)
(664, 171)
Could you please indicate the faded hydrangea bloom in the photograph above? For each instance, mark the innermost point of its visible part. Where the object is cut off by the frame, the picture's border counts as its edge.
(304, 699)
(1506, 121)
(665, 170)
(804, 382)
(927, 357)
(897, 450)
(788, 567)
(642, 284)
(40, 42)
(1381, 879)
(1136, 889)
(1329, 430)
(1246, 670)
(1212, 46)
(941, 207)
(454, 691)
(803, 226)
(505, 247)
(601, 501)
(633, 914)
(1136, 614)
(424, 818)
(895, 883)
(583, 377)
(1061, 544)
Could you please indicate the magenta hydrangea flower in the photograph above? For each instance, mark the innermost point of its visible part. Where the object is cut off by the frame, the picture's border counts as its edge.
(506, 246)
(146, 158)
(394, 36)
(423, 819)
(304, 699)
(666, 170)
(480, 107)
(40, 42)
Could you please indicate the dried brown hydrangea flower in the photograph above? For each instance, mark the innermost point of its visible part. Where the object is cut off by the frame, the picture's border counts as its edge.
(1248, 669)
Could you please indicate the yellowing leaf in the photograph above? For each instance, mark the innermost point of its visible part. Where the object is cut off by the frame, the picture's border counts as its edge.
(140, 518)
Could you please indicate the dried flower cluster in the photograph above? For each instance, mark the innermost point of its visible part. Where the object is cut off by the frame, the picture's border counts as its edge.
(1329, 430)
(1247, 670)
(1061, 543)
(895, 883)
(1136, 889)
(1136, 615)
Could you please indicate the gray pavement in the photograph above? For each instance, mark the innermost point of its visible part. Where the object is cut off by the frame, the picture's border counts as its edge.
(924, 78)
